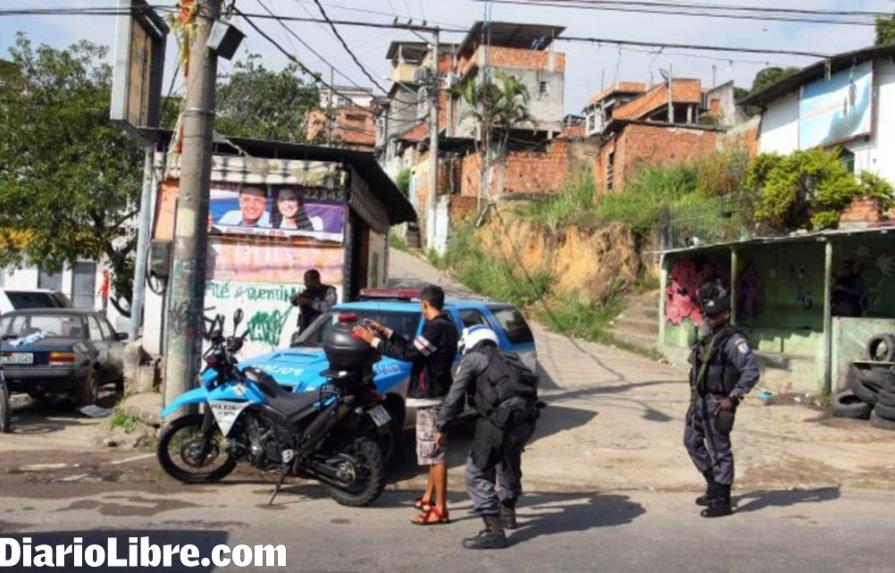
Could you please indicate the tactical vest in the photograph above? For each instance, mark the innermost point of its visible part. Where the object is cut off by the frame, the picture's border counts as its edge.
(720, 375)
(505, 377)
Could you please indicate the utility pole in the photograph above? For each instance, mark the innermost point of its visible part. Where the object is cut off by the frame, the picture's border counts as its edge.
(187, 284)
(670, 96)
(431, 199)
(329, 107)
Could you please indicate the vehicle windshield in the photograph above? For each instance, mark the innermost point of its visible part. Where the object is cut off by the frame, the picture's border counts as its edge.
(51, 325)
(29, 299)
(404, 323)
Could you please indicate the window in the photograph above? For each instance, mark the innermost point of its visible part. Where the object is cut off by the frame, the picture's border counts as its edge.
(543, 89)
(847, 158)
(403, 323)
(472, 317)
(62, 325)
(31, 299)
(513, 323)
(83, 285)
(610, 170)
(96, 335)
(49, 281)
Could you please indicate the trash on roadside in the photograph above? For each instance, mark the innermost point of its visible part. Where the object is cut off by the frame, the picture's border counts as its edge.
(765, 397)
(94, 411)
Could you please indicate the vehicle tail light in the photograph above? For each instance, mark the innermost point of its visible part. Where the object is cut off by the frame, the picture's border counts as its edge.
(347, 317)
(62, 358)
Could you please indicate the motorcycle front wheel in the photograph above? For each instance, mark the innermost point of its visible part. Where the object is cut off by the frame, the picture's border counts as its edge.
(363, 460)
(190, 456)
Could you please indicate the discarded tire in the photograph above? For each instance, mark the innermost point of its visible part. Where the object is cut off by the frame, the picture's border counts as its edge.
(885, 412)
(865, 392)
(881, 348)
(886, 398)
(847, 405)
(881, 423)
(878, 378)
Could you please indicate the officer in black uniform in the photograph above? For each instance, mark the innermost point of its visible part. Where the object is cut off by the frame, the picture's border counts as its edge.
(504, 393)
(316, 299)
(723, 370)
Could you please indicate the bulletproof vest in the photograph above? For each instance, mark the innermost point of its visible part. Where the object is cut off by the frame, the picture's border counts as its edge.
(505, 377)
(720, 375)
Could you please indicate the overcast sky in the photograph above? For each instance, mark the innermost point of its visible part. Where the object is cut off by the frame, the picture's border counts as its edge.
(586, 64)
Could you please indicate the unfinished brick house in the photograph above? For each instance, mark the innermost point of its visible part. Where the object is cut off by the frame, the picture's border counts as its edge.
(640, 126)
(352, 123)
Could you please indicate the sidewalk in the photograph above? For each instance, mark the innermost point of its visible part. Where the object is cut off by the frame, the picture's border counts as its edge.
(615, 422)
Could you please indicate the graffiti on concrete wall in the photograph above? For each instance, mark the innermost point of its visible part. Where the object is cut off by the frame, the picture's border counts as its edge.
(688, 275)
(876, 270)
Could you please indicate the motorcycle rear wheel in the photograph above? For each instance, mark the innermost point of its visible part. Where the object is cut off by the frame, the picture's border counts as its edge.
(196, 470)
(368, 487)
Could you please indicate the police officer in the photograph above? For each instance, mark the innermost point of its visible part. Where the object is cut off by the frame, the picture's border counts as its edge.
(723, 370)
(504, 393)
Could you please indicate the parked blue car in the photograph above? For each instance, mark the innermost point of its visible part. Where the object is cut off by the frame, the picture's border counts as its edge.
(300, 367)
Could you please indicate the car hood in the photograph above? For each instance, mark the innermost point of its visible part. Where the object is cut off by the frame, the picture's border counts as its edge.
(302, 369)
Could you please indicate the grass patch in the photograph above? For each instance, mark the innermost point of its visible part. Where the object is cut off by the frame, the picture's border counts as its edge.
(397, 242)
(124, 420)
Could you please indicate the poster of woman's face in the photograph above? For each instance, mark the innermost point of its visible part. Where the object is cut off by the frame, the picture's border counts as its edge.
(275, 211)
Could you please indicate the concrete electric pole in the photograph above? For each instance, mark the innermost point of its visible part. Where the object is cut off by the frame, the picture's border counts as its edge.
(187, 283)
(432, 198)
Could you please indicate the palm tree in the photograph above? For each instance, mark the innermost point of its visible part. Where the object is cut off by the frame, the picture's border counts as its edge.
(499, 108)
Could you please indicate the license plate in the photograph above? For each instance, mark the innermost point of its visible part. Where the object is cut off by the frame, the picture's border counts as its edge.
(17, 358)
(380, 416)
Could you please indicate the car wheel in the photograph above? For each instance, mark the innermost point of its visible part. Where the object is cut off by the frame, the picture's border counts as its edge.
(119, 386)
(88, 389)
(5, 424)
(847, 405)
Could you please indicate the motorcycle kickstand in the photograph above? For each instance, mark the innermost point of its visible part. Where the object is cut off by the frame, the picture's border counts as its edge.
(276, 488)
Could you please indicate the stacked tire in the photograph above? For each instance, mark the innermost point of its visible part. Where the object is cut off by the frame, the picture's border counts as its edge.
(872, 394)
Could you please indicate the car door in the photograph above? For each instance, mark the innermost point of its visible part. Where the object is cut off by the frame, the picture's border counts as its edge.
(116, 347)
(101, 345)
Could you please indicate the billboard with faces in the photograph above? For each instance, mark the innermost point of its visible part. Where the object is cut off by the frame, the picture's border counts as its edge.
(277, 211)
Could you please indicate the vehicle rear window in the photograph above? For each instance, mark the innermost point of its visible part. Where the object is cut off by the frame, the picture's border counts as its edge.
(404, 323)
(65, 326)
(513, 323)
(24, 300)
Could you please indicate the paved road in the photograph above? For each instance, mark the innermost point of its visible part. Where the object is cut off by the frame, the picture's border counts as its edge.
(821, 530)
(606, 475)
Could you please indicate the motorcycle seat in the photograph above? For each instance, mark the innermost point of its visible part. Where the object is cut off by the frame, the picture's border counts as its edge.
(279, 398)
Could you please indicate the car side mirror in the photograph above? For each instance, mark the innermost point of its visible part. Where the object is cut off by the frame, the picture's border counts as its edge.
(237, 318)
(121, 336)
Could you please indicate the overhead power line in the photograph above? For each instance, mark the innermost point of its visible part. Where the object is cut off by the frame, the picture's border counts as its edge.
(700, 47)
(727, 7)
(347, 49)
(643, 8)
(308, 46)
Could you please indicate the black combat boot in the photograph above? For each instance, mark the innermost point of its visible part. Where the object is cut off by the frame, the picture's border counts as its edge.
(720, 505)
(508, 515)
(492, 537)
(709, 488)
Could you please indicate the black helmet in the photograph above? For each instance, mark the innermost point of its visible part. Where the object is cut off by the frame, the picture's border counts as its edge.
(714, 299)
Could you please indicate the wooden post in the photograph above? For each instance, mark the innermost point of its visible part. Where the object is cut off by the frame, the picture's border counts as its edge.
(733, 286)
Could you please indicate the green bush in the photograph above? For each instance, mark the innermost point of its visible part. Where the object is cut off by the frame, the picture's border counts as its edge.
(402, 181)
(872, 185)
(804, 189)
(573, 204)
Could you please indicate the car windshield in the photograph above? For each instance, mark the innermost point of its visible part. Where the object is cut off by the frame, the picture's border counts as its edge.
(51, 325)
(404, 323)
(25, 299)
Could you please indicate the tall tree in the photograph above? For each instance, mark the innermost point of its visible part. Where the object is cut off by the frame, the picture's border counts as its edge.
(885, 31)
(763, 79)
(69, 178)
(260, 103)
(499, 108)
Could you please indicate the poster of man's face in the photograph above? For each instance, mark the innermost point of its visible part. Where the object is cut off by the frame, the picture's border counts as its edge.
(275, 211)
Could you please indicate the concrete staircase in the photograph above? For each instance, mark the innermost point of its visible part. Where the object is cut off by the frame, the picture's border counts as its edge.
(638, 323)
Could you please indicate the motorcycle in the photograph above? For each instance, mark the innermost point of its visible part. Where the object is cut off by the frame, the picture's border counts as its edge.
(324, 434)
